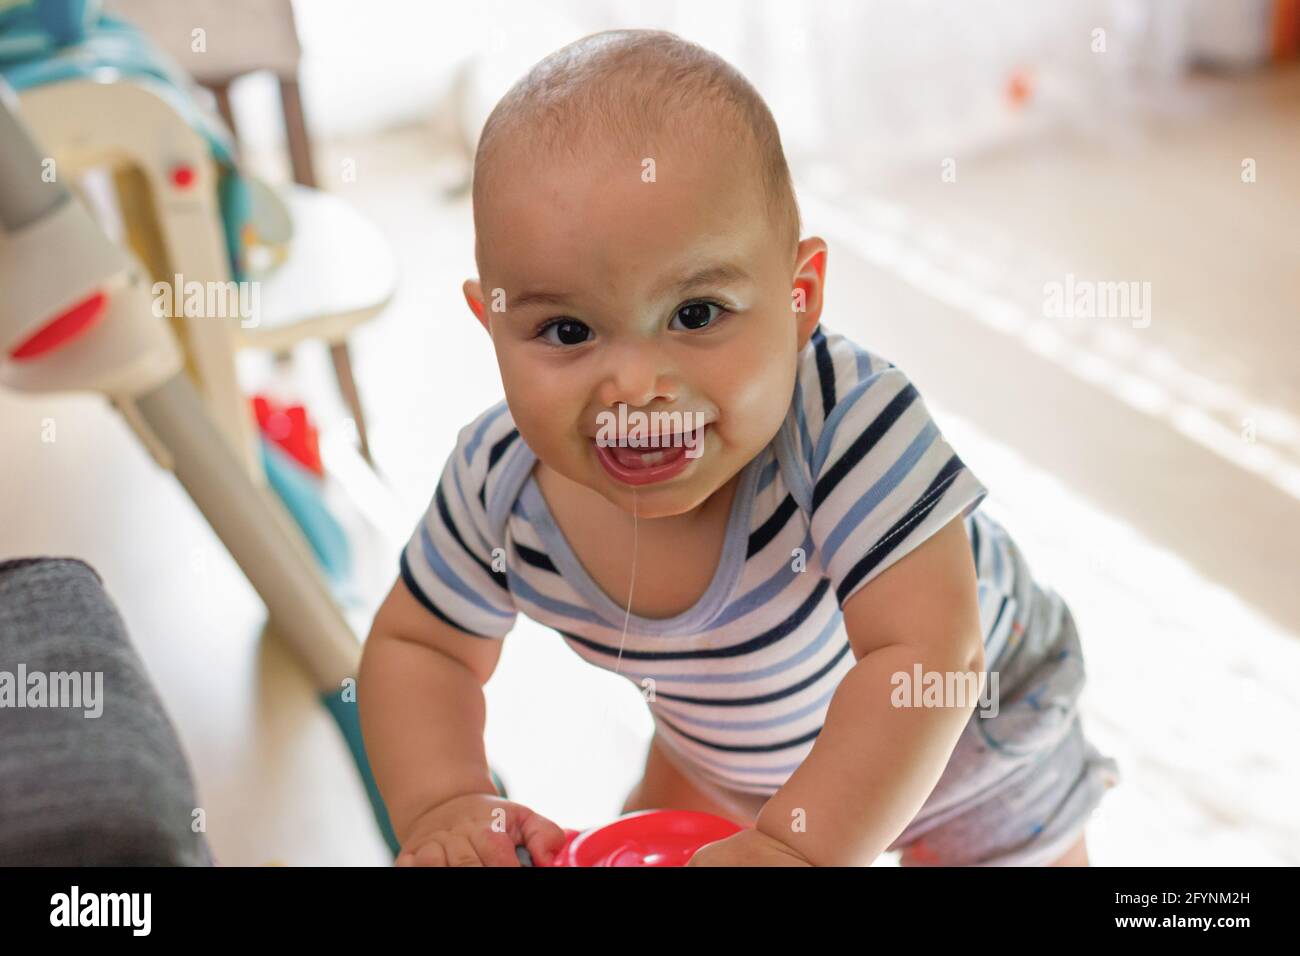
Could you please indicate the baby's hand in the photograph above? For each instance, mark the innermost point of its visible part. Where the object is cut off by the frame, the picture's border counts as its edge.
(747, 848)
(480, 829)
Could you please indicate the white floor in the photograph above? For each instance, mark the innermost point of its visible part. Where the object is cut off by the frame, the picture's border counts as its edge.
(1116, 456)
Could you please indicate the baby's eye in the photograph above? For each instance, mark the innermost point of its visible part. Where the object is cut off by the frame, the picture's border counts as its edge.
(695, 315)
(566, 332)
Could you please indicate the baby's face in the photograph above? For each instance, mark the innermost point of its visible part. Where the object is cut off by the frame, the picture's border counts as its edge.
(601, 289)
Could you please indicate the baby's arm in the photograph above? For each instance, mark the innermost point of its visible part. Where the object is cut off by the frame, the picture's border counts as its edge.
(422, 708)
(874, 764)
(422, 716)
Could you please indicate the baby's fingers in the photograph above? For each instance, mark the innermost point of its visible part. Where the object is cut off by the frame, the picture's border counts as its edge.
(542, 837)
(495, 849)
(460, 851)
(430, 854)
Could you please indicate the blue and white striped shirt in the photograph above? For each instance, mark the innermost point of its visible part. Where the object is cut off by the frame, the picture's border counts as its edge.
(857, 477)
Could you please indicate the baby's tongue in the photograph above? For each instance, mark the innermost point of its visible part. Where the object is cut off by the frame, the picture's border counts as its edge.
(641, 457)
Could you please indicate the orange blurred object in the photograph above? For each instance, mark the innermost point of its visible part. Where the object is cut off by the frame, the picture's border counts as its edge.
(1020, 87)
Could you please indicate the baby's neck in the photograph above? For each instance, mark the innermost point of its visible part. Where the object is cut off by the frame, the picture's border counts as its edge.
(675, 558)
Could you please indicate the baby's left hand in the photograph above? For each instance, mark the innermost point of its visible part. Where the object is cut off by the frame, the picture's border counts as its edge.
(747, 848)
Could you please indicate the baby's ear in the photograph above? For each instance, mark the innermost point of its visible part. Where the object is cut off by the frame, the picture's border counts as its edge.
(474, 297)
(809, 284)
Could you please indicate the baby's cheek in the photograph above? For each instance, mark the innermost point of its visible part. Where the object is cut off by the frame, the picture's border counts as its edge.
(754, 401)
(542, 431)
(533, 396)
(533, 414)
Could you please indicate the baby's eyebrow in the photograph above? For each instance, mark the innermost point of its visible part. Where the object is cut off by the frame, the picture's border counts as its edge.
(714, 274)
(540, 298)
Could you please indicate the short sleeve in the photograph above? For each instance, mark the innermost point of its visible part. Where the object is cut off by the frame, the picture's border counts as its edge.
(884, 478)
(448, 563)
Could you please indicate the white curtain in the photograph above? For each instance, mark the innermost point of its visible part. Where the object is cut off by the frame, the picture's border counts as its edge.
(864, 84)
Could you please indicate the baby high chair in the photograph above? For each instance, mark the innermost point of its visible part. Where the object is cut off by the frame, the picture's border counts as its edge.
(77, 311)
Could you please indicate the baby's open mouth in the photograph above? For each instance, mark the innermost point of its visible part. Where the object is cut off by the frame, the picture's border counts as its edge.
(653, 457)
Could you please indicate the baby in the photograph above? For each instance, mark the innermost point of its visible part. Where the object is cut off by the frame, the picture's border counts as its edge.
(704, 489)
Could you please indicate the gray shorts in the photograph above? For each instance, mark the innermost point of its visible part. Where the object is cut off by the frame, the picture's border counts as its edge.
(1021, 785)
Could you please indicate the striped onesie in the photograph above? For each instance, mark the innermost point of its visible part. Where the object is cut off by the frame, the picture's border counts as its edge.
(857, 477)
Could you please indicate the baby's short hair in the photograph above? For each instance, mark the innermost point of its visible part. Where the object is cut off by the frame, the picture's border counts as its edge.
(632, 85)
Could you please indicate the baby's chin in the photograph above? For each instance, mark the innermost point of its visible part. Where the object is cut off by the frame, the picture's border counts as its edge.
(666, 499)
(654, 502)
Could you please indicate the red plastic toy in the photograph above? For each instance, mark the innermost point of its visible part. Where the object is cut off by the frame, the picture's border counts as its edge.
(288, 427)
(645, 838)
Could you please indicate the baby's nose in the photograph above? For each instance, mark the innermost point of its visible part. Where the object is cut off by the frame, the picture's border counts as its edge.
(636, 380)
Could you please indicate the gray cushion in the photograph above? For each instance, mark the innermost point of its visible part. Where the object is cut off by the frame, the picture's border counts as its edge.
(74, 789)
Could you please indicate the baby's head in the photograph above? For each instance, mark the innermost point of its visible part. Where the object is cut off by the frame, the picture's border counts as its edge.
(637, 243)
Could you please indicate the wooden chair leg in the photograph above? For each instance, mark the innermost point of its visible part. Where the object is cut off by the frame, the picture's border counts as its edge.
(222, 92)
(348, 387)
(300, 156)
(295, 128)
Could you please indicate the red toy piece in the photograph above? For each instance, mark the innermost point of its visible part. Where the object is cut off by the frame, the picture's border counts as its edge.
(645, 838)
(287, 426)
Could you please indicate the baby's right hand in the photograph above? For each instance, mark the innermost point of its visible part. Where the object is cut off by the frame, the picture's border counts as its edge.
(480, 829)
